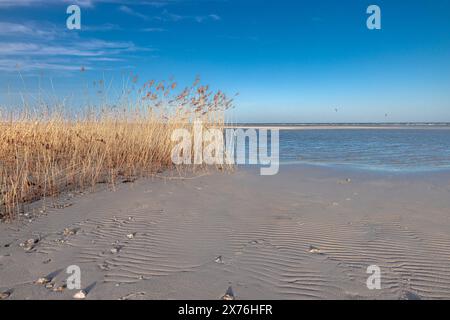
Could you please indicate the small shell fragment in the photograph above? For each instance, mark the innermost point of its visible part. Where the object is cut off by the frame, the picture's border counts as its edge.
(49, 285)
(60, 288)
(229, 295)
(4, 295)
(70, 232)
(42, 280)
(80, 295)
(29, 244)
(316, 250)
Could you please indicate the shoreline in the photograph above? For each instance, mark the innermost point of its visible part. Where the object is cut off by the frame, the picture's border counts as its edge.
(338, 127)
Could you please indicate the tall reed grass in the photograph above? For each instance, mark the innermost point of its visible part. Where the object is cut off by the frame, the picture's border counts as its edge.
(50, 150)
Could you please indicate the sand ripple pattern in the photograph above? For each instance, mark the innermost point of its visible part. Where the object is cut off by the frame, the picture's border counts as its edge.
(272, 257)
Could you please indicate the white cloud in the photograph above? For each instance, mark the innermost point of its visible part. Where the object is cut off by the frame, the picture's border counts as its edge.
(83, 3)
(11, 65)
(132, 12)
(89, 48)
(101, 28)
(29, 3)
(171, 17)
(10, 28)
(153, 30)
(26, 56)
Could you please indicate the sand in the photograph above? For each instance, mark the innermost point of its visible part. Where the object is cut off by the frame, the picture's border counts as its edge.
(193, 239)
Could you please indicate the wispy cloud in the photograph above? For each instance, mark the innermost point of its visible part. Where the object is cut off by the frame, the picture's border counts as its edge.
(213, 17)
(11, 65)
(29, 3)
(70, 54)
(83, 49)
(29, 29)
(153, 30)
(101, 28)
(82, 3)
(172, 17)
(132, 12)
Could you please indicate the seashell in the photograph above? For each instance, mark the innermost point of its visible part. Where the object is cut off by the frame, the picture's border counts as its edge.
(131, 235)
(80, 295)
(49, 285)
(42, 280)
(29, 243)
(69, 232)
(4, 295)
(313, 249)
(60, 288)
(229, 295)
(219, 259)
(116, 249)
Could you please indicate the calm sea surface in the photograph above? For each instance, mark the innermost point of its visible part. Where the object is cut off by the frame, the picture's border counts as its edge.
(375, 149)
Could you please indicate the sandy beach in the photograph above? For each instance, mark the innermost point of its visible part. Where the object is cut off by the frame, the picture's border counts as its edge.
(306, 233)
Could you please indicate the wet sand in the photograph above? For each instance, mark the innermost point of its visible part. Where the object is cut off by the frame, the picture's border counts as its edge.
(192, 239)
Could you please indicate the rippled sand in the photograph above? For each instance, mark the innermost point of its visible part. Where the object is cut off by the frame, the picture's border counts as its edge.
(192, 239)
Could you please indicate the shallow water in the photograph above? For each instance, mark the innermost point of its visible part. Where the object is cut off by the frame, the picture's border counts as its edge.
(374, 149)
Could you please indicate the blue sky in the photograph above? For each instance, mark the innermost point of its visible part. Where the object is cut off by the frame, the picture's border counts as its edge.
(290, 61)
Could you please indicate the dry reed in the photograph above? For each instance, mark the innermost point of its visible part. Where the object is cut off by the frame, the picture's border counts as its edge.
(45, 153)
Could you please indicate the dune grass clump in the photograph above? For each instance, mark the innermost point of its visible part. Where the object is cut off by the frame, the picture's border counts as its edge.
(43, 153)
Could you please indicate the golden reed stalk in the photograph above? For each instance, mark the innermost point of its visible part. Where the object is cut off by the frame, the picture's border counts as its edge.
(47, 153)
